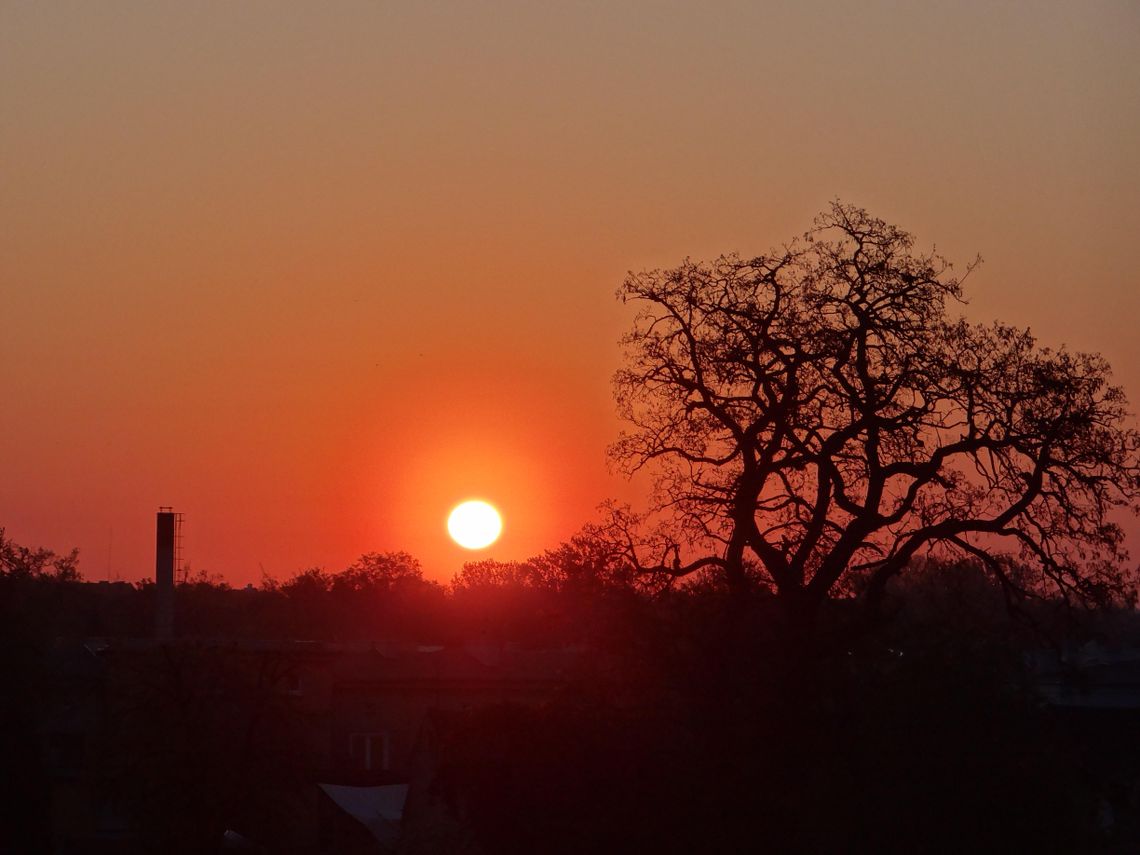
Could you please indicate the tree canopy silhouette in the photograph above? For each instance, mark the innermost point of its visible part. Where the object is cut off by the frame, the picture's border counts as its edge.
(816, 418)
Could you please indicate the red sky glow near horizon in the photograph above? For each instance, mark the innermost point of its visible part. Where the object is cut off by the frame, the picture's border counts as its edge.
(312, 274)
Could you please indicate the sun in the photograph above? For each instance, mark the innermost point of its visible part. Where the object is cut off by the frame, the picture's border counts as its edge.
(474, 524)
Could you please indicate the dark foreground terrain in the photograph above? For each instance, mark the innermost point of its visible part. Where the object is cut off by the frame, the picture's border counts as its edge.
(569, 711)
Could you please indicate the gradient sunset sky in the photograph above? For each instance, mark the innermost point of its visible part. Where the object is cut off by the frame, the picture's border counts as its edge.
(312, 273)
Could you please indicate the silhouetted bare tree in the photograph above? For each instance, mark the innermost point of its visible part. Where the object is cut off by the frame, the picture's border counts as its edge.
(818, 414)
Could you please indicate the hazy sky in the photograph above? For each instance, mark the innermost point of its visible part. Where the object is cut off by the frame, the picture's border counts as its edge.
(313, 272)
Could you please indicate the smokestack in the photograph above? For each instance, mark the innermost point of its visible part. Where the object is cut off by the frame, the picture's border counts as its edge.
(164, 574)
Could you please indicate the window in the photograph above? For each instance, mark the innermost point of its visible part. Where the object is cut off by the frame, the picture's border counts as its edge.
(369, 751)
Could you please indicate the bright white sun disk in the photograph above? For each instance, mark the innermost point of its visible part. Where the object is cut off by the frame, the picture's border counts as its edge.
(474, 524)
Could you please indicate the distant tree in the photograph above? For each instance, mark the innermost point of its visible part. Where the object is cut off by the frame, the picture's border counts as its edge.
(492, 574)
(587, 564)
(40, 598)
(376, 571)
(564, 594)
(306, 583)
(379, 595)
(819, 414)
(22, 562)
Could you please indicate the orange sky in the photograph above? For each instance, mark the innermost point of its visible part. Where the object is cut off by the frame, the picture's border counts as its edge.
(312, 273)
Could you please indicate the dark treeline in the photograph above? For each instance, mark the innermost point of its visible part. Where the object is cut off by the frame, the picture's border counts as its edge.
(564, 596)
(690, 724)
(557, 597)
